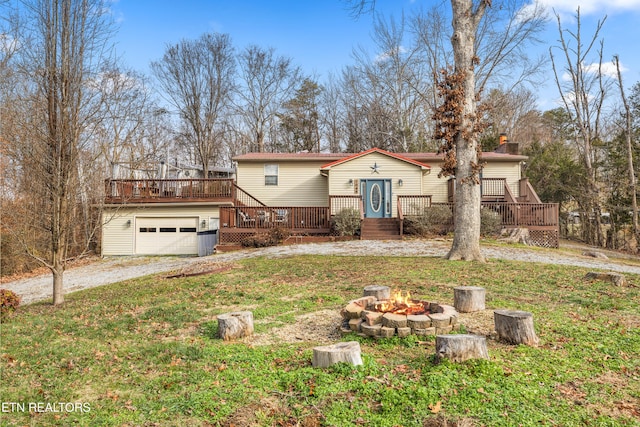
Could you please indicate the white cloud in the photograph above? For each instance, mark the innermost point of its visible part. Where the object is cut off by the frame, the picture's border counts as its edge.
(390, 54)
(587, 7)
(608, 70)
(8, 44)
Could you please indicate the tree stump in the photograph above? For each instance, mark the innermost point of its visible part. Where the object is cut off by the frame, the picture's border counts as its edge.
(518, 235)
(459, 348)
(235, 325)
(348, 352)
(378, 291)
(515, 327)
(615, 278)
(595, 254)
(467, 299)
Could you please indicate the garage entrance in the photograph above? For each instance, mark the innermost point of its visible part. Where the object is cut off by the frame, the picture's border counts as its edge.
(166, 236)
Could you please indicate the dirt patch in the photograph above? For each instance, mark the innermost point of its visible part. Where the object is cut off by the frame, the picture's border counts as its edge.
(573, 390)
(323, 327)
(317, 327)
(274, 409)
(478, 322)
(205, 266)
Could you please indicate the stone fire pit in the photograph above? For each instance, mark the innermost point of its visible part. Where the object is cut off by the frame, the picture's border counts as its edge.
(370, 316)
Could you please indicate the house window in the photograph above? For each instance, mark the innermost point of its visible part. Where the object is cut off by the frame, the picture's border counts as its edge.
(270, 174)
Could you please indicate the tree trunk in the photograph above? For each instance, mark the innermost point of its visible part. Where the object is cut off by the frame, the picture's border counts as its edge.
(467, 299)
(466, 239)
(515, 327)
(348, 352)
(629, 144)
(58, 285)
(459, 348)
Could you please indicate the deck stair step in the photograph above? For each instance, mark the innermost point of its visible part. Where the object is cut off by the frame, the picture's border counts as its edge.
(380, 229)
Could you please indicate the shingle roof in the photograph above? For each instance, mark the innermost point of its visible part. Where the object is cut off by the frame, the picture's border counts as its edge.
(334, 157)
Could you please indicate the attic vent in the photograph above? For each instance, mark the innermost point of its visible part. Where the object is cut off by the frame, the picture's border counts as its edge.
(187, 173)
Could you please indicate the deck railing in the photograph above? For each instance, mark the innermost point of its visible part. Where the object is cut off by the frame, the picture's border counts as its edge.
(498, 189)
(338, 203)
(413, 205)
(159, 190)
(262, 218)
(527, 193)
(513, 215)
(492, 187)
(526, 214)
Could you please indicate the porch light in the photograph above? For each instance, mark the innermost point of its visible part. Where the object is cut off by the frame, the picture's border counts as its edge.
(400, 183)
(203, 224)
(351, 181)
(128, 223)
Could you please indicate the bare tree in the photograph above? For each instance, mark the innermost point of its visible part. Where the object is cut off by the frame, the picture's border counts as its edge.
(124, 102)
(299, 119)
(628, 132)
(198, 79)
(472, 38)
(583, 95)
(67, 40)
(332, 116)
(514, 113)
(269, 81)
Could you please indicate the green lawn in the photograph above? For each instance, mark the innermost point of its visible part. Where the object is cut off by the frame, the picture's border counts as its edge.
(144, 352)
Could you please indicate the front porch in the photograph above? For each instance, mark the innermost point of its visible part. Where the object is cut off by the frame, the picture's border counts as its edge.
(240, 222)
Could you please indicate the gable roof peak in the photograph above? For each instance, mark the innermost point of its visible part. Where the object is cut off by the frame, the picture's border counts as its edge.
(375, 150)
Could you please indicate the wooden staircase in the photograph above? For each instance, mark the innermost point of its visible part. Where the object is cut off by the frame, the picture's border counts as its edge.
(380, 229)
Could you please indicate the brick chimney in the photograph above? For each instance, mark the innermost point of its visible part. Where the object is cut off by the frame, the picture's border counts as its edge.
(506, 146)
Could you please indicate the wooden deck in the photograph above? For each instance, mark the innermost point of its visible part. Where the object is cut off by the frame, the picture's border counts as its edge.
(240, 222)
(242, 215)
(121, 191)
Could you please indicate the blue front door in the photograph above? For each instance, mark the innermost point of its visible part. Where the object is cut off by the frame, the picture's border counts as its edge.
(376, 197)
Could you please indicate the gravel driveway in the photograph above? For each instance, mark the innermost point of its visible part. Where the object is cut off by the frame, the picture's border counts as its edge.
(112, 270)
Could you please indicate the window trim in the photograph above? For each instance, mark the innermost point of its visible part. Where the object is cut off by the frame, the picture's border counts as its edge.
(271, 179)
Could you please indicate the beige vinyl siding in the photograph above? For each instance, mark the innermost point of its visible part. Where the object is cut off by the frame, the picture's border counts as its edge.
(508, 170)
(118, 238)
(299, 183)
(437, 187)
(359, 169)
(434, 186)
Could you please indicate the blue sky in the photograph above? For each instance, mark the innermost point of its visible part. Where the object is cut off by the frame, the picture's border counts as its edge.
(320, 35)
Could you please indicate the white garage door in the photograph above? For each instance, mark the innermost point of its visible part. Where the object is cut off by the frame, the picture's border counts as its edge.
(167, 236)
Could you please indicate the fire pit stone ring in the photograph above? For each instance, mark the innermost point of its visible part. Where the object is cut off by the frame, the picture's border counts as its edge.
(399, 315)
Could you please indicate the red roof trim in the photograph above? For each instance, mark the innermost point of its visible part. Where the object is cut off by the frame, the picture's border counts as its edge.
(375, 150)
